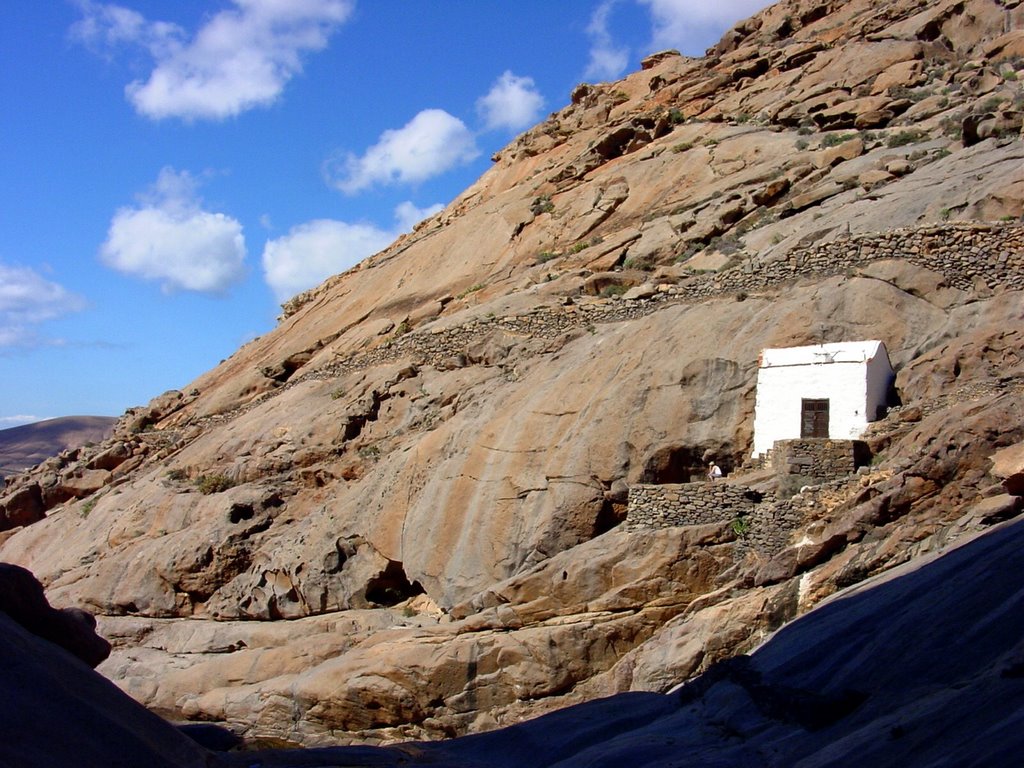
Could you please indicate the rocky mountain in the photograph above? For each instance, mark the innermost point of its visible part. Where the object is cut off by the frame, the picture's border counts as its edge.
(27, 445)
(402, 513)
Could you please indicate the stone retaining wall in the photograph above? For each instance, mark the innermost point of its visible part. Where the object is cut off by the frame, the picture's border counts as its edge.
(814, 461)
(968, 255)
(664, 506)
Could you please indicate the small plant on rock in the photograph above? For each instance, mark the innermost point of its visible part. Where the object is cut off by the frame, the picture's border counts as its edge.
(207, 484)
(741, 526)
(542, 204)
(901, 139)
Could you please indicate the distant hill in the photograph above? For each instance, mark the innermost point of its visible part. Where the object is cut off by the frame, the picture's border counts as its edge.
(25, 446)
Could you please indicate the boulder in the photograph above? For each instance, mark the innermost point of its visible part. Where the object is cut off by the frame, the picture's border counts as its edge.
(23, 600)
(1008, 465)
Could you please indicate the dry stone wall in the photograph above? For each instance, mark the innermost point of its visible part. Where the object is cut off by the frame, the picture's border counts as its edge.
(664, 506)
(762, 524)
(814, 461)
(968, 255)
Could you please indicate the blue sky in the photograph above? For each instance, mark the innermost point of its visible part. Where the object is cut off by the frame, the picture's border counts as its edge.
(173, 171)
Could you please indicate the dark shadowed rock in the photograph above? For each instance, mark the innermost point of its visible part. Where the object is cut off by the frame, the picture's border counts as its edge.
(22, 599)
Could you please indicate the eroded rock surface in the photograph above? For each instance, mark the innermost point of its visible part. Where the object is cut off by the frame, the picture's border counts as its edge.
(397, 514)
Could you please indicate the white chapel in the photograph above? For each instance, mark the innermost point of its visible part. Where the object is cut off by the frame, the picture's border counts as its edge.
(823, 390)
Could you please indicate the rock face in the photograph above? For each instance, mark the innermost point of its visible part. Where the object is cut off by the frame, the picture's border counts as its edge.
(398, 514)
(893, 672)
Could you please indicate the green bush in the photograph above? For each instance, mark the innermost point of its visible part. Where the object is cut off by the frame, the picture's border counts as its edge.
(541, 205)
(835, 139)
(545, 256)
(613, 290)
(472, 289)
(645, 263)
(903, 138)
(207, 484)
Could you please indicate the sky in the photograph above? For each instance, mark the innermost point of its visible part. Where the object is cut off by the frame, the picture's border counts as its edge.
(171, 171)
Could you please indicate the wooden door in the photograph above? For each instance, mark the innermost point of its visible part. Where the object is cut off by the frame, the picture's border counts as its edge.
(813, 418)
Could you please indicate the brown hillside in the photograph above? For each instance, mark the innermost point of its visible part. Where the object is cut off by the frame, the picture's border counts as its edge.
(425, 468)
(25, 446)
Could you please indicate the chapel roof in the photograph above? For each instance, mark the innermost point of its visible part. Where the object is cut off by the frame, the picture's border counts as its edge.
(816, 354)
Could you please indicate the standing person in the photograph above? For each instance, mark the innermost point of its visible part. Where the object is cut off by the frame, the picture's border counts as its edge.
(714, 472)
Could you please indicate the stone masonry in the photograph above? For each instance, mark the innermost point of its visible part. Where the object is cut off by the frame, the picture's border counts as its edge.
(814, 461)
(664, 506)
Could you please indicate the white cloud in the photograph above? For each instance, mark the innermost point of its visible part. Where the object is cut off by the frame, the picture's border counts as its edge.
(170, 239)
(607, 60)
(314, 251)
(428, 145)
(686, 24)
(408, 215)
(27, 299)
(238, 59)
(513, 103)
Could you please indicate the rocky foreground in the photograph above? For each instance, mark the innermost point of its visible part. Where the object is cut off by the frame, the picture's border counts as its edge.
(399, 514)
(923, 666)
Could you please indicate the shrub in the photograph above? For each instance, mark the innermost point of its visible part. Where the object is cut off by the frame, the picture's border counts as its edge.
(402, 329)
(613, 290)
(683, 146)
(801, 144)
(676, 116)
(903, 138)
(177, 475)
(369, 452)
(646, 263)
(741, 526)
(207, 484)
(88, 507)
(472, 289)
(541, 205)
(835, 139)
(545, 256)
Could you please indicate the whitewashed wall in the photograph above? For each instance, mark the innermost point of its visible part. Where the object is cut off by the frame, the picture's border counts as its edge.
(780, 390)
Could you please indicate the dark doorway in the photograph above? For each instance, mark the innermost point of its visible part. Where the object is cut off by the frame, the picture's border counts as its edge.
(813, 418)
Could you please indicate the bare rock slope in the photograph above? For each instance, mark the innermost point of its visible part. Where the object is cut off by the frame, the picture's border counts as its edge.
(917, 667)
(399, 514)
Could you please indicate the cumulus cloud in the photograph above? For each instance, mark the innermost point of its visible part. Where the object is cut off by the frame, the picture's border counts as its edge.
(428, 145)
(513, 103)
(313, 251)
(607, 60)
(171, 240)
(27, 299)
(240, 58)
(682, 24)
(408, 215)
